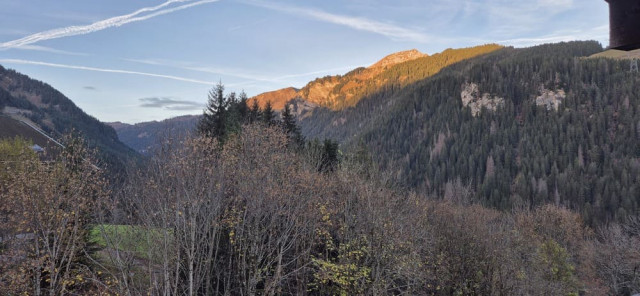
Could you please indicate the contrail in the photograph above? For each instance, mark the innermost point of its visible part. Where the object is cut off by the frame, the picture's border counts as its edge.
(116, 21)
(363, 24)
(178, 78)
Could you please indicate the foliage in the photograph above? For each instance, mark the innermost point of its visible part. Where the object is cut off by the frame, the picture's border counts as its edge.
(45, 208)
(290, 126)
(215, 121)
(268, 114)
(255, 216)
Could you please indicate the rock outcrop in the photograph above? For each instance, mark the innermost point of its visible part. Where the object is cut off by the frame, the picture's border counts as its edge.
(472, 98)
(550, 99)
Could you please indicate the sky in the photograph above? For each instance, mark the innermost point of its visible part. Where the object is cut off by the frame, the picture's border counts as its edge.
(143, 60)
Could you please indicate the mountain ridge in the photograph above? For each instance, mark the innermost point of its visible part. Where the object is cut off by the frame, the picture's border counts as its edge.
(342, 91)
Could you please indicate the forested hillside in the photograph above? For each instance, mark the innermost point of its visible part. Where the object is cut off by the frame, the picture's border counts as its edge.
(38, 102)
(565, 130)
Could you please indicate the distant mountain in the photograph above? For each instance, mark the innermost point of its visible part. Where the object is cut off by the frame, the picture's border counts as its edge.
(146, 136)
(398, 69)
(40, 105)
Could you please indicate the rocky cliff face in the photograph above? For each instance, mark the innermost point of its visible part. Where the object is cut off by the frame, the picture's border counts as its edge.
(550, 99)
(472, 98)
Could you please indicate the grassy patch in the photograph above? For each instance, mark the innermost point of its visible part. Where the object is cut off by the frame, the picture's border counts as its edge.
(142, 241)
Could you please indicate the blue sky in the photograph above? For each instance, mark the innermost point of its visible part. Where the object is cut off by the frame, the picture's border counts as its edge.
(142, 60)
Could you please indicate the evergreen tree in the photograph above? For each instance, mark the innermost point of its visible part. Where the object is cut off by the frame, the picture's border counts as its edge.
(214, 119)
(234, 118)
(268, 115)
(290, 126)
(330, 158)
(243, 108)
(254, 112)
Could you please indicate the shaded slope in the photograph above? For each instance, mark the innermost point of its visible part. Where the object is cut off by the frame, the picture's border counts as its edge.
(54, 113)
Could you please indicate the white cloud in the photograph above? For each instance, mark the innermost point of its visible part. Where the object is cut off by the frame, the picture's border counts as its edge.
(171, 103)
(363, 24)
(139, 15)
(597, 33)
(48, 49)
(234, 72)
(74, 67)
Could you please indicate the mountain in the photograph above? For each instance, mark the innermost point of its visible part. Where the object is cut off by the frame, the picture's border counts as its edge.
(517, 127)
(278, 98)
(334, 92)
(145, 136)
(398, 69)
(38, 104)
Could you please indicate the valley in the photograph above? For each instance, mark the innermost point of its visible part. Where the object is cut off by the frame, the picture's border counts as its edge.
(479, 170)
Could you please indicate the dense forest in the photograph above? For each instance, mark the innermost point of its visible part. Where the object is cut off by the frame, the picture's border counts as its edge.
(584, 155)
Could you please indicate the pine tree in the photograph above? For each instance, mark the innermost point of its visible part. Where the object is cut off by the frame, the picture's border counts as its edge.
(214, 119)
(268, 115)
(234, 118)
(330, 158)
(254, 112)
(290, 127)
(243, 108)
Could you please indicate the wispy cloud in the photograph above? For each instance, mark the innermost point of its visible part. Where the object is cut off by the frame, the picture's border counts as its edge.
(248, 25)
(118, 71)
(136, 16)
(170, 103)
(89, 87)
(598, 33)
(359, 23)
(234, 72)
(48, 49)
(313, 73)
